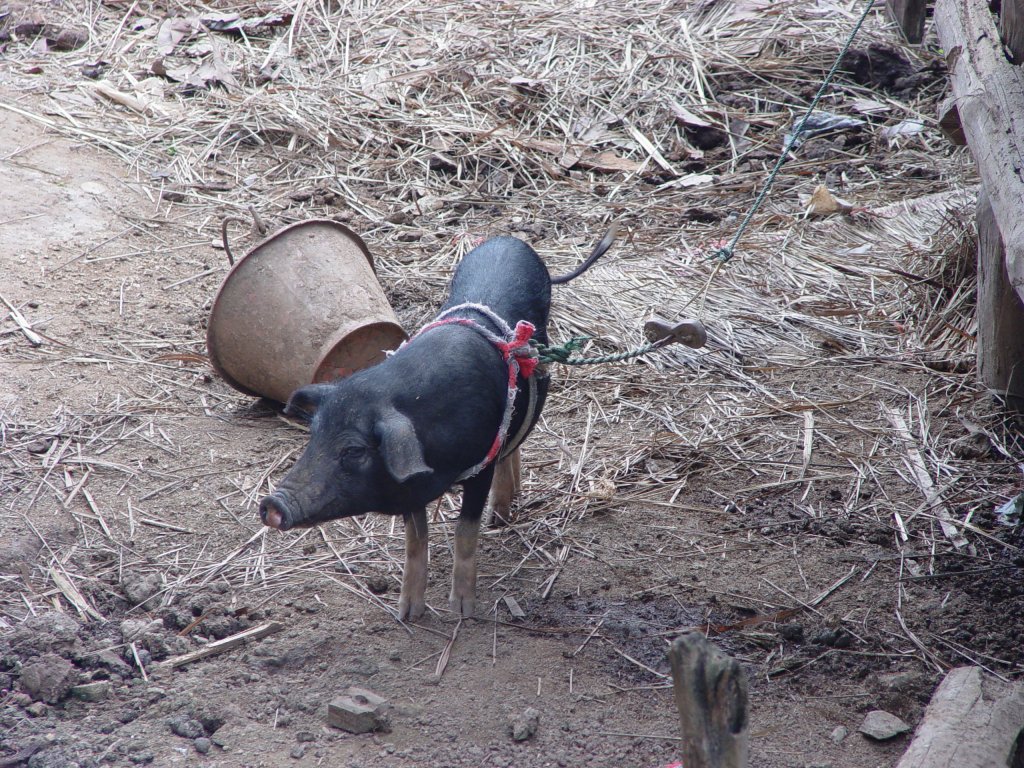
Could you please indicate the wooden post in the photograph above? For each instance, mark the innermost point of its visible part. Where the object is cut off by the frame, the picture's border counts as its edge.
(711, 695)
(972, 721)
(1011, 28)
(1000, 313)
(910, 16)
(989, 96)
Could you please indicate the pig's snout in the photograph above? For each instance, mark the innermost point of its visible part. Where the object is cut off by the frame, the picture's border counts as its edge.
(274, 513)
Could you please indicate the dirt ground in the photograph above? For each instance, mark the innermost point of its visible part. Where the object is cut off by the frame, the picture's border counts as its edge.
(771, 499)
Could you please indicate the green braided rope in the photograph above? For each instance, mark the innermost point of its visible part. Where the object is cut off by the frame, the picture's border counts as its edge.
(727, 252)
(562, 354)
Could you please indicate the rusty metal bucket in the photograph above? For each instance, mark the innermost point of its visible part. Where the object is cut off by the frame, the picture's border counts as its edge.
(302, 306)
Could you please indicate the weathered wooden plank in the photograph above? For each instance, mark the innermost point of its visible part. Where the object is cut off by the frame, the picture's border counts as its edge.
(1011, 28)
(711, 695)
(972, 721)
(1000, 313)
(989, 94)
(910, 16)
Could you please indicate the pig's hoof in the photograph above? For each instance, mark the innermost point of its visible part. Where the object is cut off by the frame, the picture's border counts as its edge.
(464, 606)
(498, 515)
(410, 610)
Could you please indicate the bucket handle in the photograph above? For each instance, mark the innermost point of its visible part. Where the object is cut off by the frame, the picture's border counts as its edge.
(258, 228)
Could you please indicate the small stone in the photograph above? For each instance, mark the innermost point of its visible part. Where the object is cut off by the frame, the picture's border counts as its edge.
(793, 633)
(49, 678)
(142, 758)
(298, 751)
(211, 718)
(92, 692)
(834, 637)
(839, 733)
(186, 727)
(129, 714)
(377, 584)
(880, 725)
(976, 445)
(20, 699)
(202, 745)
(112, 662)
(139, 588)
(305, 736)
(38, 709)
(524, 725)
(359, 711)
(134, 629)
(395, 655)
(899, 682)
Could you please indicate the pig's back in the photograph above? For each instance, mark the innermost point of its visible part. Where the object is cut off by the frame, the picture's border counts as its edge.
(507, 276)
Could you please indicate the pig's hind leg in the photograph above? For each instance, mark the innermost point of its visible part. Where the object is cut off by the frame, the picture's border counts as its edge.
(412, 602)
(467, 531)
(504, 488)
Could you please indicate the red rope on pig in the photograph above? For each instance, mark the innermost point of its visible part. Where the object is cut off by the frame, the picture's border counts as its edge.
(519, 356)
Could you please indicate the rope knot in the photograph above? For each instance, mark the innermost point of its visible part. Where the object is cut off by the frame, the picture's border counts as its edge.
(723, 254)
(519, 348)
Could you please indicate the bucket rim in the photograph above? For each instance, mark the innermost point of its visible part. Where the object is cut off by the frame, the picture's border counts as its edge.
(343, 333)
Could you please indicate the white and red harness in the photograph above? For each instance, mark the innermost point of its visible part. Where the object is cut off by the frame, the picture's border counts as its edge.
(521, 359)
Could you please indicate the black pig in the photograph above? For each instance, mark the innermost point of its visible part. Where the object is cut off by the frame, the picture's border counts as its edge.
(393, 437)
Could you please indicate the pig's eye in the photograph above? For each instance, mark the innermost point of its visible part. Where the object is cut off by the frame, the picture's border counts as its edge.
(353, 452)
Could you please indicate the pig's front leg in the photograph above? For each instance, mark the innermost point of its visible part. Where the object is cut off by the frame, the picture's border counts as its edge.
(467, 531)
(504, 488)
(412, 601)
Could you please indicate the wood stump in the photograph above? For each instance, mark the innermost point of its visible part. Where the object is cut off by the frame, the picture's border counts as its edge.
(711, 695)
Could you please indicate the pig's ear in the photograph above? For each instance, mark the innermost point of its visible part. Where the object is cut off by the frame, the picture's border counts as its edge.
(400, 447)
(304, 401)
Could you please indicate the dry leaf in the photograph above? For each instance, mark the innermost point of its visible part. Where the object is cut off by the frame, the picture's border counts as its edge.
(210, 72)
(107, 90)
(689, 180)
(377, 83)
(528, 85)
(172, 32)
(904, 128)
(688, 119)
(607, 162)
(602, 488)
(233, 22)
(869, 106)
(824, 203)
